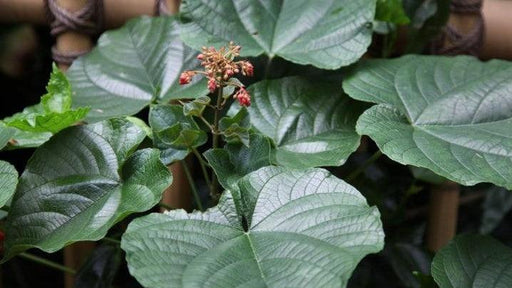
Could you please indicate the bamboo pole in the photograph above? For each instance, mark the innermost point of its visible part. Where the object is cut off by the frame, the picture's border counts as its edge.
(498, 29)
(31, 11)
(442, 214)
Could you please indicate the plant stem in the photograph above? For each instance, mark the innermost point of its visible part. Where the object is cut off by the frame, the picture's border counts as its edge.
(267, 67)
(203, 165)
(363, 167)
(111, 240)
(165, 206)
(214, 188)
(192, 185)
(47, 263)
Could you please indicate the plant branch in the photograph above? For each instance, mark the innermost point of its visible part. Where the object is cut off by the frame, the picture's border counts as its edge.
(111, 240)
(165, 206)
(192, 185)
(203, 165)
(47, 263)
(365, 165)
(214, 188)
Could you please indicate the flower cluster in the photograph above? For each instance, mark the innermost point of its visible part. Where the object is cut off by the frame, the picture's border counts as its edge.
(219, 67)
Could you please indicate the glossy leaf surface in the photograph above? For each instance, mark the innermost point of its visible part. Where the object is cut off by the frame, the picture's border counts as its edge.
(277, 228)
(80, 183)
(312, 123)
(450, 115)
(131, 67)
(236, 160)
(8, 181)
(328, 35)
(473, 261)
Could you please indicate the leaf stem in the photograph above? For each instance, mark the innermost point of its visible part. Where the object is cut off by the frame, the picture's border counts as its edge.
(111, 240)
(363, 167)
(267, 67)
(165, 206)
(214, 188)
(192, 185)
(203, 165)
(47, 263)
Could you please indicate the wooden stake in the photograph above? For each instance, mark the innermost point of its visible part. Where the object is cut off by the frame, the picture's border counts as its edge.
(442, 214)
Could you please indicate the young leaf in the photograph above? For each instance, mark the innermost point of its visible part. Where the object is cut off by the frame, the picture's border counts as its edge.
(236, 160)
(236, 128)
(100, 268)
(473, 261)
(8, 181)
(54, 113)
(173, 132)
(80, 183)
(277, 228)
(450, 115)
(391, 11)
(327, 35)
(132, 66)
(311, 122)
(196, 107)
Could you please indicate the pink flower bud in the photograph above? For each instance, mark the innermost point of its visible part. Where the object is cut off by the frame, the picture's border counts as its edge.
(212, 85)
(243, 97)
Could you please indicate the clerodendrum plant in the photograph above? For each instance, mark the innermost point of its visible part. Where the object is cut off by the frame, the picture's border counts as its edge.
(273, 217)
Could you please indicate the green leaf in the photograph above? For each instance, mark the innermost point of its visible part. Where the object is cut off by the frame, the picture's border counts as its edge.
(236, 128)
(173, 132)
(100, 268)
(8, 181)
(450, 115)
(497, 204)
(473, 261)
(277, 228)
(80, 183)
(132, 66)
(54, 113)
(24, 139)
(58, 98)
(391, 11)
(311, 122)
(236, 160)
(327, 35)
(196, 107)
(6, 134)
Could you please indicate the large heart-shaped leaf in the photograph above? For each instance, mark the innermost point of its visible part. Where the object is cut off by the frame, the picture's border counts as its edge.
(80, 183)
(328, 35)
(236, 160)
(311, 122)
(277, 228)
(131, 67)
(8, 181)
(450, 115)
(473, 261)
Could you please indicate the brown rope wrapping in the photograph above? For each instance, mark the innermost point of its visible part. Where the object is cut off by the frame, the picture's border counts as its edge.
(470, 43)
(88, 20)
(161, 8)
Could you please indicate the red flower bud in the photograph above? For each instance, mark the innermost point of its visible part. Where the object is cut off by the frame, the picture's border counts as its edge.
(186, 77)
(243, 97)
(200, 57)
